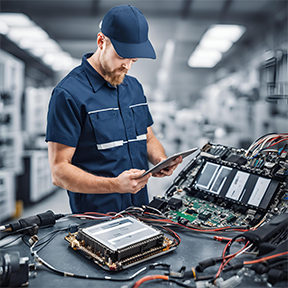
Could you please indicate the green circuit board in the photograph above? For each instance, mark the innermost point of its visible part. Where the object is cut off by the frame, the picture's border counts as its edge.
(202, 212)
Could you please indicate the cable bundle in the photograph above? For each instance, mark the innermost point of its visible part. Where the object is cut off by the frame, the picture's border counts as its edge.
(265, 142)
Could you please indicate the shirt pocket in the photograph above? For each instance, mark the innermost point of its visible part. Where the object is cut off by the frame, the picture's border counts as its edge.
(106, 125)
(140, 112)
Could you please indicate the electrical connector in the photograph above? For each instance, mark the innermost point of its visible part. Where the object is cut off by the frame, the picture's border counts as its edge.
(220, 283)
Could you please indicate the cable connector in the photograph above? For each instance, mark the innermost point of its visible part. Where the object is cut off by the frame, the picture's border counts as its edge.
(73, 227)
(229, 283)
(220, 283)
(180, 274)
(207, 263)
(34, 239)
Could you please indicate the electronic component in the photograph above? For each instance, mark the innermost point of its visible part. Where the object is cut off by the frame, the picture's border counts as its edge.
(267, 232)
(156, 203)
(205, 215)
(191, 211)
(120, 243)
(14, 270)
(174, 203)
(35, 221)
(235, 188)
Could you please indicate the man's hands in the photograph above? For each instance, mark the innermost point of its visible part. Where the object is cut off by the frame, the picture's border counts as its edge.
(168, 170)
(129, 181)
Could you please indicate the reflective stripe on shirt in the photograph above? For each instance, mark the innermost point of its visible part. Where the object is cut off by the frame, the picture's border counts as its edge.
(113, 144)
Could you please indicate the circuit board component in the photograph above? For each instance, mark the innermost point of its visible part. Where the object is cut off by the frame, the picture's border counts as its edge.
(120, 243)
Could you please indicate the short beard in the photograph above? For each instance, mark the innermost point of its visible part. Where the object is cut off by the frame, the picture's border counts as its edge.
(113, 79)
(112, 76)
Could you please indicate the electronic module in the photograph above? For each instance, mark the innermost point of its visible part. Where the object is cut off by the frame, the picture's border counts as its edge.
(120, 243)
(226, 186)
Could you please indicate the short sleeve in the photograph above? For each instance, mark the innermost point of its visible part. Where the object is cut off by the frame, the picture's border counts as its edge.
(149, 118)
(63, 119)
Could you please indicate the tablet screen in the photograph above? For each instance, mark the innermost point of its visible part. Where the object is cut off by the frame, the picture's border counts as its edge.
(167, 162)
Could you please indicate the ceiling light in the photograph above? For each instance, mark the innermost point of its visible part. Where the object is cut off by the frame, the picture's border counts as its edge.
(47, 44)
(30, 37)
(16, 19)
(17, 34)
(204, 58)
(217, 40)
(201, 62)
(223, 31)
(63, 64)
(38, 52)
(221, 45)
(196, 62)
(206, 53)
(3, 28)
(51, 58)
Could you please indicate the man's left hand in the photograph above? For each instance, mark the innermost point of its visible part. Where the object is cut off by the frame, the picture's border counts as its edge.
(168, 170)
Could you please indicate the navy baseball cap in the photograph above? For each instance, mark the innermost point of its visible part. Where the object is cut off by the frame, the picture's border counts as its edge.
(127, 29)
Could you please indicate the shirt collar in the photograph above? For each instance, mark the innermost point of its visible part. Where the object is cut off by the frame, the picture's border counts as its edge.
(95, 79)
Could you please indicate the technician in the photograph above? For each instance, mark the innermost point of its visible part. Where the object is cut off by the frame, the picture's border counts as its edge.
(99, 126)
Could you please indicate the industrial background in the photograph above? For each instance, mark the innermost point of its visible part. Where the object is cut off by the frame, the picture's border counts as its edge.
(224, 90)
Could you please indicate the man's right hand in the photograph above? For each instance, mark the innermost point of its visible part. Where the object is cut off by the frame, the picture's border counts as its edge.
(129, 181)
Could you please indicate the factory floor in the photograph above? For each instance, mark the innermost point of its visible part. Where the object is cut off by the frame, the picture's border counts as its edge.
(58, 202)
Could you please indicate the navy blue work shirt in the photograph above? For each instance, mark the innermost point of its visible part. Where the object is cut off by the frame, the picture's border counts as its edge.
(108, 127)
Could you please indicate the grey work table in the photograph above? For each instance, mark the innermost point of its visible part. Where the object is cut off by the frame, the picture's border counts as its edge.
(193, 248)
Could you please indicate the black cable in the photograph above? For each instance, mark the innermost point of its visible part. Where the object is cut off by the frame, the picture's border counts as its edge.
(7, 244)
(49, 240)
(68, 274)
(17, 231)
(63, 273)
(171, 233)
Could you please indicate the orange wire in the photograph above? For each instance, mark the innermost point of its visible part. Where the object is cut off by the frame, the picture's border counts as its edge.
(265, 258)
(148, 278)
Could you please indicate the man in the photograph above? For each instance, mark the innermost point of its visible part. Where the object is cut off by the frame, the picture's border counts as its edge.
(99, 126)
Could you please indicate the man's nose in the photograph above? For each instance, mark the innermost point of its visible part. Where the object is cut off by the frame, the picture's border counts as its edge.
(127, 63)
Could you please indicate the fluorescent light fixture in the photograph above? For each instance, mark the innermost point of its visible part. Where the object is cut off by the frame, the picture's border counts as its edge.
(221, 45)
(30, 37)
(204, 58)
(223, 31)
(205, 53)
(16, 34)
(201, 63)
(64, 64)
(38, 52)
(46, 44)
(16, 19)
(217, 40)
(3, 28)
(51, 58)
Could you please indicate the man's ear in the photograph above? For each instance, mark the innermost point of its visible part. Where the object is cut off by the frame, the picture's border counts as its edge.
(100, 40)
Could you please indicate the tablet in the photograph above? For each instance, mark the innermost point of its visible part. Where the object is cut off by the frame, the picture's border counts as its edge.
(167, 162)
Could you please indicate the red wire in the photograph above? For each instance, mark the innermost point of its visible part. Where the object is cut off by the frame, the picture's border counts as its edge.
(193, 229)
(97, 213)
(228, 258)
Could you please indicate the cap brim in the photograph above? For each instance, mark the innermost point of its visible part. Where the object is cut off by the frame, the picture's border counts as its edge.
(131, 50)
